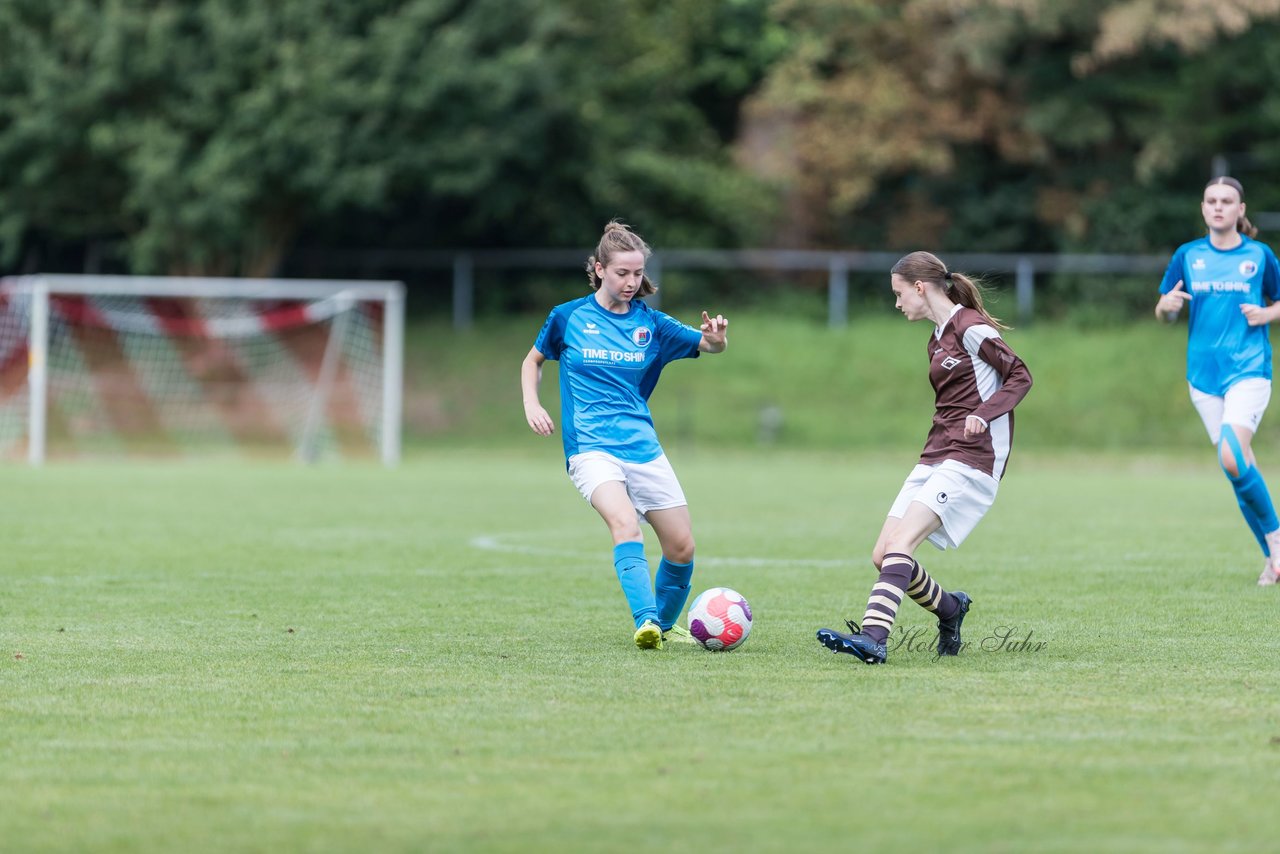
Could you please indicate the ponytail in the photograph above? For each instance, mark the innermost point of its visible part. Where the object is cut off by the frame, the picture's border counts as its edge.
(968, 292)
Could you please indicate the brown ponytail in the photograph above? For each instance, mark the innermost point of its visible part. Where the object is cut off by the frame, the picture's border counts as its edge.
(618, 237)
(959, 288)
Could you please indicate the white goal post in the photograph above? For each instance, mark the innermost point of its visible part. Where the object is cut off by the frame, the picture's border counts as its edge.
(186, 365)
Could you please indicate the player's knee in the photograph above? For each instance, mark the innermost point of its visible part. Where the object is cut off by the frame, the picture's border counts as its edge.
(678, 549)
(1231, 456)
(1228, 463)
(624, 530)
(895, 547)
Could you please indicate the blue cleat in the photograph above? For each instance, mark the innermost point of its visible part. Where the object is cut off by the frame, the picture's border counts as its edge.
(856, 644)
(949, 630)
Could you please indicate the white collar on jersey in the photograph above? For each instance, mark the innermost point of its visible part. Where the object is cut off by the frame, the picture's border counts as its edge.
(937, 330)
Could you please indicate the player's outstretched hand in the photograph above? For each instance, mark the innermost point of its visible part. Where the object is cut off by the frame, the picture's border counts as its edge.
(1171, 303)
(539, 420)
(715, 333)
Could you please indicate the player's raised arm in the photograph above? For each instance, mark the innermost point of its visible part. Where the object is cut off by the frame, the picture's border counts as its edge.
(715, 333)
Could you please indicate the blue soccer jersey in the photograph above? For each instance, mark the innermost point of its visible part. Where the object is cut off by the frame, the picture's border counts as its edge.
(609, 365)
(1222, 348)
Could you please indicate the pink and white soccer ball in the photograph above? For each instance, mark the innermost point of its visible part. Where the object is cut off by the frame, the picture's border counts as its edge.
(720, 619)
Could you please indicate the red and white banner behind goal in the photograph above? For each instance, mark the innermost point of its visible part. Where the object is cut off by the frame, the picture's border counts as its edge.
(165, 366)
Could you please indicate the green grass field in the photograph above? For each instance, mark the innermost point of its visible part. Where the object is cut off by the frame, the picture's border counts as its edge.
(271, 658)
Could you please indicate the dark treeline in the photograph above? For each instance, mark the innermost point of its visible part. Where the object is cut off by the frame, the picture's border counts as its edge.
(224, 136)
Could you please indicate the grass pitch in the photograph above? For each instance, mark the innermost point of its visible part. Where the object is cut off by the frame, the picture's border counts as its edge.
(201, 657)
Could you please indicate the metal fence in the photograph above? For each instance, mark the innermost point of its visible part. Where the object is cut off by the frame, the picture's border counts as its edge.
(1024, 268)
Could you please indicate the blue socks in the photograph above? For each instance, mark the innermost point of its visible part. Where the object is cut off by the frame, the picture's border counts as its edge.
(671, 589)
(633, 574)
(1255, 503)
(1254, 525)
(662, 602)
(1251, 492)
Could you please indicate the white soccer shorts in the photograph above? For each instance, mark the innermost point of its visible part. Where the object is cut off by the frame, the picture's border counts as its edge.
(960, 495)
(1243, 406)
(651, 486)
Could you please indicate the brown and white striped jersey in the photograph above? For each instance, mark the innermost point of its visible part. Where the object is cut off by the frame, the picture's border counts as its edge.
(973, 372)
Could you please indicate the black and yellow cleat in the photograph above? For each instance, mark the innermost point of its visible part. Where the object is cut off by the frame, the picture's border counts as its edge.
(649, 635)
(678, 634)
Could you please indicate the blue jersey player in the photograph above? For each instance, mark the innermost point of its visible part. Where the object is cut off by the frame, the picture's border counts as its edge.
(611, 347)
(1231, 286)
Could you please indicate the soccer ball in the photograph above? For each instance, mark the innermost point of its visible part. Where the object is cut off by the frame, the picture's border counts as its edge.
(720, 619)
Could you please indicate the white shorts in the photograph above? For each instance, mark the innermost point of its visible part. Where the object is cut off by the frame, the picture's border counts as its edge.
(1242, 405)
(650, 486)
(960, 495)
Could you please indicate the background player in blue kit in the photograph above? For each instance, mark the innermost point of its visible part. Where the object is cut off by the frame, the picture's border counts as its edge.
(1225, 277)
(611, 348)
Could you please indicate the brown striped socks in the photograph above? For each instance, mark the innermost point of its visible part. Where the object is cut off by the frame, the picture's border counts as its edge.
(886, 596)
(900, 576)
(928, 594)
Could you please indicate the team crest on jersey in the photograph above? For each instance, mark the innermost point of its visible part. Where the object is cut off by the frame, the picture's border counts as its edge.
(640, 336)
(949, 363)
(1248, 268)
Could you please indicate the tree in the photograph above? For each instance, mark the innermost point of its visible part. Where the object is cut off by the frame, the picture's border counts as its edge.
(207, 135)
(639, 103)
(1013, 124)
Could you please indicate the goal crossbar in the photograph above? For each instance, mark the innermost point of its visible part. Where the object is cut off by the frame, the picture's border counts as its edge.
(331, 299)
(211, 287)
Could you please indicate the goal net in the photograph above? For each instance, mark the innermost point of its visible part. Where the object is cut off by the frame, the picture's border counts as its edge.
(156, 366)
